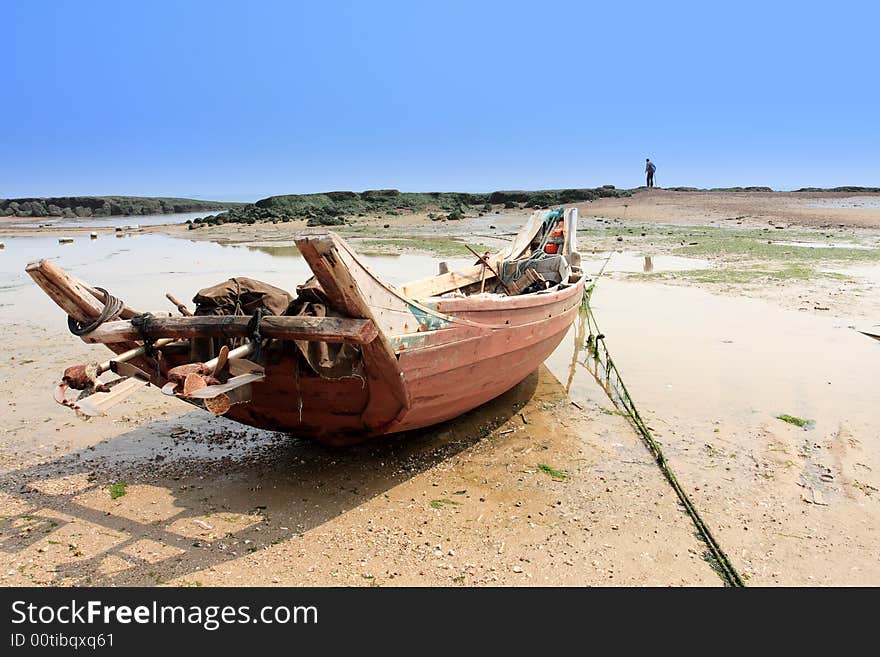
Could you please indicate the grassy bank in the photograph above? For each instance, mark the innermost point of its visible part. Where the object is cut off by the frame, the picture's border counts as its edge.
(337, 208)
(737, 255)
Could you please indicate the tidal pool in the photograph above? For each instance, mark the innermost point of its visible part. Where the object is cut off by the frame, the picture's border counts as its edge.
(141, 268)
(104, 222)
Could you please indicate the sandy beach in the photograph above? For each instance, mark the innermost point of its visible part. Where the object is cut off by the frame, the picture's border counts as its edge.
(723, 310)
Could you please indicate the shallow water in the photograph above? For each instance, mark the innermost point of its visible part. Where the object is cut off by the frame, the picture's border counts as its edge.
(827, 245)
(850, 203)
(104, 222)
(693, 359)
(686, 352)
(870, 273)
(141, 268)
(633, 261)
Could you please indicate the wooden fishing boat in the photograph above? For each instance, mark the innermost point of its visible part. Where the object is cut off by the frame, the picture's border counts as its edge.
(352, 356)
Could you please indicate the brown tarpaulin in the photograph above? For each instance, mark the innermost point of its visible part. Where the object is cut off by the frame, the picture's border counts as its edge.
(236, 296)
(245, 296)
(332, 361)
(241, 296)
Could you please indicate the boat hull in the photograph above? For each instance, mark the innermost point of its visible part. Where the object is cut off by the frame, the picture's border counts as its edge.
(423, 353)
(447, 372)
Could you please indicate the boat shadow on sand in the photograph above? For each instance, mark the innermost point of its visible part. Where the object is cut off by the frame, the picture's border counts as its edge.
(201, 492)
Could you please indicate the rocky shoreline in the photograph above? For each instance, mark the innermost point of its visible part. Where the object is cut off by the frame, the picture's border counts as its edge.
(105, 206)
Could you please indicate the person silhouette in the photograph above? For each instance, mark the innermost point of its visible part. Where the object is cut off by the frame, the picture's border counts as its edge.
(649, 171)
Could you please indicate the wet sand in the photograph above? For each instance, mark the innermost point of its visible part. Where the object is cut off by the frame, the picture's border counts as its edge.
(810, 209)
(465, 503)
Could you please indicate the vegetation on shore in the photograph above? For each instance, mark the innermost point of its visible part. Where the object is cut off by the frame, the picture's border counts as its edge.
(737, 255)
(796, 421)
(104, 206)
(335, 208)
(440, 247)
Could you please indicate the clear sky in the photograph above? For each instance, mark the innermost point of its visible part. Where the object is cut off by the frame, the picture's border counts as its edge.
(240, 100)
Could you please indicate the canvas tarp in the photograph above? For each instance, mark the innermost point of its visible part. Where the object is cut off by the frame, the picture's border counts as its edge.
(241, 296)
(331, 361)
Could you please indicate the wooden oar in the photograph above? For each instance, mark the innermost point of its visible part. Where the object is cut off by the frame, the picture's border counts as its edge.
(181, 307)
(100, 402)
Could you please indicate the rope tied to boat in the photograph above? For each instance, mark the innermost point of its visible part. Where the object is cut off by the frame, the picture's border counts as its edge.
(253, 328)
(140, 322)
(111, 310)
(620, 397)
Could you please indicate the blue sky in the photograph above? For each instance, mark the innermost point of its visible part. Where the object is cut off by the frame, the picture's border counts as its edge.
(242, 100)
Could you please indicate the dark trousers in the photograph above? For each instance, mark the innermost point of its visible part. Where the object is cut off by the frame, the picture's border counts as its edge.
(650, 178)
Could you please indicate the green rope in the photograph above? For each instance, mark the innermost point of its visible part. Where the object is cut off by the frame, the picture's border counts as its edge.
(620, 397)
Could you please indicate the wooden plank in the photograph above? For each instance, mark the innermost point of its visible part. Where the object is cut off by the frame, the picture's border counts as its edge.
(74, 297)
(316, 329)
(77, 299)
(342, 276)
(100, 402)
(436, 285)
(223, 388)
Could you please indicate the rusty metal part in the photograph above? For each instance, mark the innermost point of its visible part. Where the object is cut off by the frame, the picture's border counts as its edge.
(218, 405)
(77, 378)
(188, 377)
(82, 377)
(193, 382)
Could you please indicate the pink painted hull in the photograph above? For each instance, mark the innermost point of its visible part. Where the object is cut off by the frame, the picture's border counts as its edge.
(448, 372)
(430, 356)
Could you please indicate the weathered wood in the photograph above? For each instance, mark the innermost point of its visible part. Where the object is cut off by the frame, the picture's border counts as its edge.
(209, 392)
(181, 307)
(130, 354)
(316, 329)
(436, 285)
(470, 351)
(80, 301)
(69, 294)
(484, 261)
(342, 276)
(453, 280)
(100, 402)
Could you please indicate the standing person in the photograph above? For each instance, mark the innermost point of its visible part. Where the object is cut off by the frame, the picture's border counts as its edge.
(649, 171)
